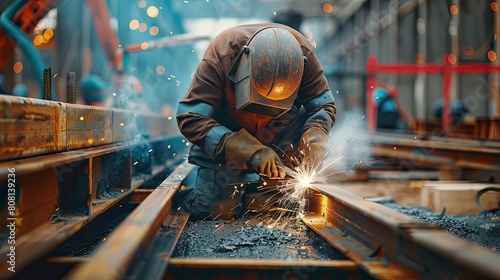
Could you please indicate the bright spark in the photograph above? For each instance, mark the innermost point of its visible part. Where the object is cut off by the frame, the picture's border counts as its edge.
(290, 195)
(234, 192)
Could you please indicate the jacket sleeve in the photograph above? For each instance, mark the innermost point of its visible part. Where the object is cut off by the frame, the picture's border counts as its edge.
(316, 97)
(196, 111)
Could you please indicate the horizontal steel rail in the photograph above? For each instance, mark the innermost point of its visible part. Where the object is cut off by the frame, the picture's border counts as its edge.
(389, 245)
(129, 242)
(262, 269)
(55, 225)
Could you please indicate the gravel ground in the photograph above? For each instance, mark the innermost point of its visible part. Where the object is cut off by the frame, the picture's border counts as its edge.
(258, 238)
(482, 228)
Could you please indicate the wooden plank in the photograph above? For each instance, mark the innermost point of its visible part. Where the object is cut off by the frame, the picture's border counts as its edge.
(458, 197)
(87, 126)
(30, 127)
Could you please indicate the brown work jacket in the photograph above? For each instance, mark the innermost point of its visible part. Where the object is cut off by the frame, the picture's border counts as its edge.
(211, 86)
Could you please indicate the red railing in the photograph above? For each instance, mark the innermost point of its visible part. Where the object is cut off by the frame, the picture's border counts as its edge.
(446, 69)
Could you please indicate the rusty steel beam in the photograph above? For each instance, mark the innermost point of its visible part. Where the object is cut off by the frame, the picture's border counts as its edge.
(472, 159)
(34, 127)
(26, 166)
(389, 245)
(435, 142)
(130, 240)
(140, 195)
(60, 193)
(154, 262)
(44, 238)
(262, 269)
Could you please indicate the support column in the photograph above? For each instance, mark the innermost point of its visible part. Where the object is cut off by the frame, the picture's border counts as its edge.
(421, 79)
(393, 38)
(454, 48)
(495, 77)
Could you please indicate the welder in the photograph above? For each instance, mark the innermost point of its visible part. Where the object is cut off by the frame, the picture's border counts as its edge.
(258, 101)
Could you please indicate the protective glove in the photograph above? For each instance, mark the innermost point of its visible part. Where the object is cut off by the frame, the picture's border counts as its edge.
(313, 148)
(243, 151)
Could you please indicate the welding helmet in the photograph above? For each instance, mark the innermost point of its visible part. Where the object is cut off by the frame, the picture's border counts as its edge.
(267, 72)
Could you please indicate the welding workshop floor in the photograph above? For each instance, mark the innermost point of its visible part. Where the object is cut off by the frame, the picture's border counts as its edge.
(264, 237)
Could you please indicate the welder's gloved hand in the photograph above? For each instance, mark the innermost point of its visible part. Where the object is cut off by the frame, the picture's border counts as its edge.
(313, 147)
(243, 151)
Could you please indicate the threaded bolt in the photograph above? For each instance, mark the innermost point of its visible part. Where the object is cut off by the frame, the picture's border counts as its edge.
(70, 88)
(47, 84)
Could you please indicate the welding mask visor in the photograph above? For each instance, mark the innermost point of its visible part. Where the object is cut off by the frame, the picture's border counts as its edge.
(267, 72)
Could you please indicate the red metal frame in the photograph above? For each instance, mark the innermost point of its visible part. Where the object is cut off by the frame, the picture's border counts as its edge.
(446, 69)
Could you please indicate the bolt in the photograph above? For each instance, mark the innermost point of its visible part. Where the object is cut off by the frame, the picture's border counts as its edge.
(70, 88)
(47, 84)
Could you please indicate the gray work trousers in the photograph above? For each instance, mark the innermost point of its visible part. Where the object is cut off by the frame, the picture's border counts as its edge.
(214, 191)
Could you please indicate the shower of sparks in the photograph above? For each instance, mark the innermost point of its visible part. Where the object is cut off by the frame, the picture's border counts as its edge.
(289, 196)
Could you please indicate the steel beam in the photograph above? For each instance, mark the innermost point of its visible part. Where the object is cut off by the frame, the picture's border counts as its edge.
(130, 240)
(389, 245)
(262, 269)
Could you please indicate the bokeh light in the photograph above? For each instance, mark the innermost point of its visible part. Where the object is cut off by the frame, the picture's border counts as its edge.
(454, 9)
(144, 46)
(492, 55)
(152, 11)
(143, 27)
(452, 59)
(328, 8)
(38, 40)
(494, 6)
(134, 24)
(48, 34)
(17, 67)
(142, 4)
(160, 69)
(154, 30)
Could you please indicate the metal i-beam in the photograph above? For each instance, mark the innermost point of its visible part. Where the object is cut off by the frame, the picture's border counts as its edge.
(131, 239)
(389, 245)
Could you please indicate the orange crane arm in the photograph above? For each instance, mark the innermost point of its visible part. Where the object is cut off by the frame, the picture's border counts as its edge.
(26, 20)
(107, 36)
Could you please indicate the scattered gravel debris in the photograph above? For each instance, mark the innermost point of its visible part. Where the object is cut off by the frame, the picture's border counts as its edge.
(482, 228)
(258, 238)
